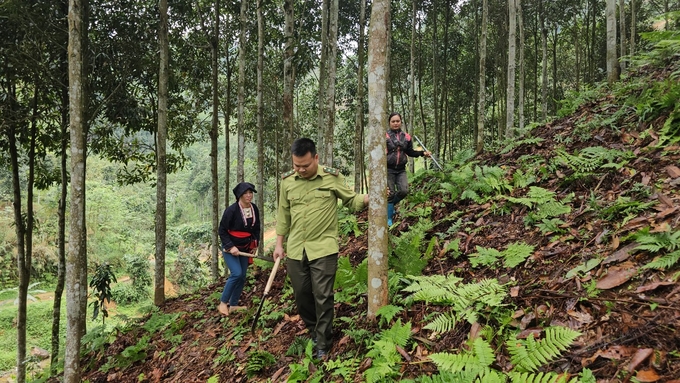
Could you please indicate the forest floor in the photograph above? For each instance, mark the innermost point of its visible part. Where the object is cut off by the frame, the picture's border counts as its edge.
(628, 316)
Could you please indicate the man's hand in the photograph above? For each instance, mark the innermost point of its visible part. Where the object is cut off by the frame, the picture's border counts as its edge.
(427, 154)
(365, 199)
(278, 249)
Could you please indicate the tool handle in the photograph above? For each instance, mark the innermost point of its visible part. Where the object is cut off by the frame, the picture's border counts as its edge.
(431, 156)
(247, 254)
(272, 275)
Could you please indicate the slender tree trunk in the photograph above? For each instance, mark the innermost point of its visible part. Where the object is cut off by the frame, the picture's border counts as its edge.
(76, 259)
(240, 172)
(544, 65)
(61, 221)
(510, 97)
(622, 33)
(479, 141)
(161, 145)
(633, 31)
(612, 63)
(323, 79)
(577, 54)
(227, 122)
(20, 230)
(412, 76)
(522, 65)
(260, 121)
(214, 136)
(435, 77)
(286, 133)
(359, 121)
(377, 114)
(330, 90)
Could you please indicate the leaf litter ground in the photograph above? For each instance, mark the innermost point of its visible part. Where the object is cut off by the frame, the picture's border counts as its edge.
(628, 330)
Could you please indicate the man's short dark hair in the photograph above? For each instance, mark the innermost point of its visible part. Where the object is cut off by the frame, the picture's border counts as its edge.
(302, 146)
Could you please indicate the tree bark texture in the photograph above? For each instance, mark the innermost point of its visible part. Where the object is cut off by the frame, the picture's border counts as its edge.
(622, 33)
(330, 89)
(612, 62)
(512, 49)
(481, 111)
(359, 121)
(260, 121)
(377, 165)
(323, 68)
(240, 172)
(76, 259)
(544, 64)
(522, 65)
(161, 147)
(214, 136)
(286, 134)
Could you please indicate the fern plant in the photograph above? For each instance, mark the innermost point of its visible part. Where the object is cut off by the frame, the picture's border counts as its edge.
(515, 254)
(386, 358)
(259, 360)
(667, 241)
(527, 355)
(467, 301)
(591, 159)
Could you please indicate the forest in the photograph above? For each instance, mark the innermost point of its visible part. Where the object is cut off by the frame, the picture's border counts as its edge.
(125, 124)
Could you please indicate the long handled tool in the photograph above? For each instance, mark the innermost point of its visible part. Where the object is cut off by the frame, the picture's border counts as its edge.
(431, 156)
(266, 291)
(268, 259)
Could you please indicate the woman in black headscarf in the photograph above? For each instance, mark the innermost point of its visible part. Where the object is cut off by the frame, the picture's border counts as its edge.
(239, 232)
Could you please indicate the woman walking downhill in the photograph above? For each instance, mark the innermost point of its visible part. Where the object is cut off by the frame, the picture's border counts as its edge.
(239, 232)
(399, 148)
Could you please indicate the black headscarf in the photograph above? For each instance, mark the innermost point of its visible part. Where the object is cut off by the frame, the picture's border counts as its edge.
(242, 188)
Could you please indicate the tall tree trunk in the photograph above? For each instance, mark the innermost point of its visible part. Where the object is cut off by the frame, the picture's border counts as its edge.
(260, 120)
(479, 140)
(359, 121)
(622, 33)
(633, 31)
(577, 54)
(522, 65)
(61, 219)
(435, 78)
(330, 90)
(323, 78)
(227, 122)
(21, 230)
(612, 63)
(412, 76)
(214, 136)
(240, 172)
(161, 146)
(544, 65)
(285, 136)
(76, 260)
(377, 165)
(510, 96)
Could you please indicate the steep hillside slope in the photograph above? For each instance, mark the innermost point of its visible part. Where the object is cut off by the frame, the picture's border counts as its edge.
(566, 219)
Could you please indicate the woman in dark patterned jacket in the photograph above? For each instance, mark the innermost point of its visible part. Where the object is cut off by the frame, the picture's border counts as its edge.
(239, 232)
(399, 148)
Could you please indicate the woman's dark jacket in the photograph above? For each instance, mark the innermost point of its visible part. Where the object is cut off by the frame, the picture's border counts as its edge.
(233, 220)
(399, 146)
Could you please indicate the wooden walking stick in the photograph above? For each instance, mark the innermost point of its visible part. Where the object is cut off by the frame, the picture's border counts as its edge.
(266, 291)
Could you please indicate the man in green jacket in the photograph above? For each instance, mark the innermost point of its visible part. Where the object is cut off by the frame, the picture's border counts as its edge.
(307, 215)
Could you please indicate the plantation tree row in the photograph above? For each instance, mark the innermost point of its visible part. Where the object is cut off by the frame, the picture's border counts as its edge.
(137, 82)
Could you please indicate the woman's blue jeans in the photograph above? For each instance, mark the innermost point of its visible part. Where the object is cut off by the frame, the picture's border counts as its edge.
(238, 266)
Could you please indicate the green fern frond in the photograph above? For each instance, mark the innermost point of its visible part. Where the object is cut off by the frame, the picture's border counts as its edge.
(471, 195)
(528, 355)
(540, 377)
(516, 253)
(259, 360)
(483, 351)
(455, 362)
(443, 322)
(655, 242)
(387, 313)
(435, 289)
(398, 334)
(484, 256)
(522, 180)
(550, 209)
(664, 262)
(517, 143)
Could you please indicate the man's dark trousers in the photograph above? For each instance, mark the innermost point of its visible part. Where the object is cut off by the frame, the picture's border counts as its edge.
(313, 288)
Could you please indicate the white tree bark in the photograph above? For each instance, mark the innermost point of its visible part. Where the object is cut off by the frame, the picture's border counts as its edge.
(377, 165)
(622, 33)
(260, 120)
(520, 95)
(359, 121)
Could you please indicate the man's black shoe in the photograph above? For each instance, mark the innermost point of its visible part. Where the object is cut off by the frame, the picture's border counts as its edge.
(321, 354)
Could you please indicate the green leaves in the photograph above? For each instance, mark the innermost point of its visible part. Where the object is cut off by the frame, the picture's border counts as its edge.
(515, 254)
